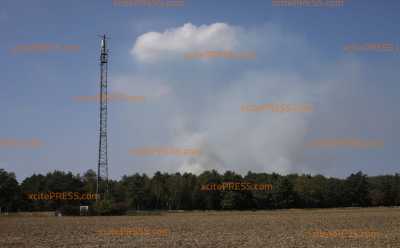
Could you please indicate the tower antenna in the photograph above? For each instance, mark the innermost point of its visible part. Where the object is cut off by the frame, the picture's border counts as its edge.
(102, 188)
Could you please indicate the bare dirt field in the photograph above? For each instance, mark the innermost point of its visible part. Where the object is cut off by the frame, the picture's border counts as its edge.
(364, 228)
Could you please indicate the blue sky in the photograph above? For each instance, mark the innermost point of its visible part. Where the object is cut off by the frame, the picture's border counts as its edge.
(300, 58)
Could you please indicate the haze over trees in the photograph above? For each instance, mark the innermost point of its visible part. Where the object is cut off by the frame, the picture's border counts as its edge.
(178, 191)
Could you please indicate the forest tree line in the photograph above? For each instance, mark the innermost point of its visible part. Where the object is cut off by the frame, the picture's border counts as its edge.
(179, 191)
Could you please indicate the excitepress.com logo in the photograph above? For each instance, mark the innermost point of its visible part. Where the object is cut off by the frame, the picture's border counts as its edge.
(278, 108)
(43, 48)
(346, 233)
(236, 186)
(354, 143)
(220, 54)
(13, 143)
(134, 231)
(308, 3)
(371, 47)
(114, 96)
(149, 3)
(164, 151)
(74, 196)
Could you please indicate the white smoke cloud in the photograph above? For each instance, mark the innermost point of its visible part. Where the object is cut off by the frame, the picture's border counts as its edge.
(204, 110)
(241, 141)
(154, 46)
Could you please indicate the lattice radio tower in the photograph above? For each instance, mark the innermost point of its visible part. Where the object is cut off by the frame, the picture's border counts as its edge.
(102, 165)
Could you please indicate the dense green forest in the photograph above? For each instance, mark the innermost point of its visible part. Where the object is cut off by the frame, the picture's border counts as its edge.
(182, 191)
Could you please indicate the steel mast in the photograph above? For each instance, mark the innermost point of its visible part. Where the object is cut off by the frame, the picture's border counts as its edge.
(102, 165)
